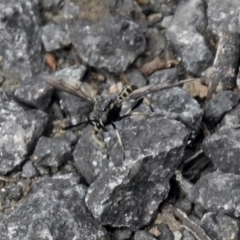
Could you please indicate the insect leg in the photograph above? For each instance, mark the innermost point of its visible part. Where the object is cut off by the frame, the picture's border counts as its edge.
(119, 137)
(97, 139)
(147, 101)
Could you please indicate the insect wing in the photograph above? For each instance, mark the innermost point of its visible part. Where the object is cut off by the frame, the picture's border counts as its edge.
(77, 88)
(143, 91)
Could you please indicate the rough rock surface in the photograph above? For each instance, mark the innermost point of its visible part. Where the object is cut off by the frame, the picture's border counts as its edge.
(19, 130)
(112, 44)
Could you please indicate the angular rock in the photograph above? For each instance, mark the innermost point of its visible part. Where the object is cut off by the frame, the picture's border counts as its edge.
(223, 149)
(154, 148)
(19, 131)
(223, 16)
(176, 103)
(122, 234)
(20, 44)
(28, 170)
(231, 119)
(219, 105)
(166, 233)
(74, 107)
(164, 76)
(156, 43)
(185, 38)
(218, 192)
(35, 93)
(143, 235)
(112, 44)
(54, 37)
(53, 211)
(223, 75)
(136, 78)
(220, 226)
(51, 153)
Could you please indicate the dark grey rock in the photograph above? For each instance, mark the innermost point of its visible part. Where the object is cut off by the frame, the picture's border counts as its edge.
(35, 93)
(218, 192)
(154, 148)
(223, 75)
(53, 211)
(164, 76)
(156, 43)
(143, 235)
(231, 119)
(220, 226)
(226, 62)
(122, 234)
(186, 235)
(51, 153)
(185, 38)
(166, 233)
(176, 103)
(89, 158)
(20, 43)
(19, 130)
(219, 105)
(15, 193)
(136, 78)
(28, 170)
(223, 149)
(184, 204)
(112, 44)
(54, 37)
(52, 5)
(223, 16)
(74, 107)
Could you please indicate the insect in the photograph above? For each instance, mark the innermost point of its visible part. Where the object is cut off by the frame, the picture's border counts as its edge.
(108, 111)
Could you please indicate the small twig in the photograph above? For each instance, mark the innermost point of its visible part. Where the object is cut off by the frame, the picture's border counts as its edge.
(194, 156)
(6, 179)
(190, 225)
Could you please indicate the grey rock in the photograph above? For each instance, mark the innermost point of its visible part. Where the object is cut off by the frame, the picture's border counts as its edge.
(71, 10)
(186, 235)
(19, 130)
(176, 103)
(223, 16)
(184, 204)
(136, 78)
(28, 170)
(164, 76)
(54, 37)
(166, 22)
(219, 105)
(52, 5)
(223, 149)
(143, 235)
(154, 148)
(53, 211)
(218, 192)
(15, 193)
(74, 107)
(185, 38)
(112, 44)
(226, 62)
(20, 44)
(220, 226)
(231, 119)
(156, 43)
(51, 153)
(166, 233)
(35, 93)
(122, 234)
